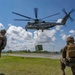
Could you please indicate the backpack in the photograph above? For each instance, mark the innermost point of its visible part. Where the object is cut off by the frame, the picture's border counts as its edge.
(70, 52)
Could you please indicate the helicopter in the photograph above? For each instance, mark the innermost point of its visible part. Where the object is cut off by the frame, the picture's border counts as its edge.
(40, 24)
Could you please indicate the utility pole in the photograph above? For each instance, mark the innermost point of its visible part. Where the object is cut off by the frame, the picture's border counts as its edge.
(53, 48)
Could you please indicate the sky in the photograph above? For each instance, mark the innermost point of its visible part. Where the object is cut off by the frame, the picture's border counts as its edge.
(20, 39)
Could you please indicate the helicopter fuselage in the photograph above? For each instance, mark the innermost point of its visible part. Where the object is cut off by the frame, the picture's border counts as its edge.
(41, 25)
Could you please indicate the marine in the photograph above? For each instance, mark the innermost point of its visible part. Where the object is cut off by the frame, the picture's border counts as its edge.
(3, 40)
(68, 55)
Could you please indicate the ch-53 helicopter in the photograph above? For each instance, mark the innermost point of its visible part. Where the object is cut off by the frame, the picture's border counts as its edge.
(40, 24)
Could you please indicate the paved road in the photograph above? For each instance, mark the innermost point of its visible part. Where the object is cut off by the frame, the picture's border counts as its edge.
(36, 55)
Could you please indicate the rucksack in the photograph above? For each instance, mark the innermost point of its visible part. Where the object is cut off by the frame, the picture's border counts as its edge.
(70, 52)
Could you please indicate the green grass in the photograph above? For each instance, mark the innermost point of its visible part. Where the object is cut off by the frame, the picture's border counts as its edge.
(10, 65)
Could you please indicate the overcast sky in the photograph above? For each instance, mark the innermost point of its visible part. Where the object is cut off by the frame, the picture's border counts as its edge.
(19, 38)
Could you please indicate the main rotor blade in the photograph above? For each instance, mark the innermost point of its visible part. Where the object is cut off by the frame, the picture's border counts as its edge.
(36, 12)
(50, 15)
(22, 20)
(22, 15)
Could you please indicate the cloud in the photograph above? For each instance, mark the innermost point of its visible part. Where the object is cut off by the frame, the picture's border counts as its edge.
(59, 20)
(64, 37)
(44, 37)
(17, 38)
(18, 33)
(1, 26)
(50, 33)
(41, 37)
(72, 31)
(58, 26)
(53, 38)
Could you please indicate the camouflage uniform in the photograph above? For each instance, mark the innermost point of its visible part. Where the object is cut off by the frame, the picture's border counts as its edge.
(4, 41)
(70, 62)
(63, 60)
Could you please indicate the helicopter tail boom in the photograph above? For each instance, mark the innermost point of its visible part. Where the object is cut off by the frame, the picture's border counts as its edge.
(67, 16)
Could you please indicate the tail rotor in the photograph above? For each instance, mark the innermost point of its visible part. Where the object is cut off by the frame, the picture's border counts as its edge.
(68, 14)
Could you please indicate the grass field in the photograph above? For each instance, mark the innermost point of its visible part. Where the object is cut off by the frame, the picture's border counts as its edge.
(10, 65)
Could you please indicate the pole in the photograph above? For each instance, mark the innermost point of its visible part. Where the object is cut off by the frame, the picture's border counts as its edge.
(53, 48)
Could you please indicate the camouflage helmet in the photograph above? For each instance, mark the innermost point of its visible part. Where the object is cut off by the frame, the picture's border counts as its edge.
(70, 39)
(3, 31)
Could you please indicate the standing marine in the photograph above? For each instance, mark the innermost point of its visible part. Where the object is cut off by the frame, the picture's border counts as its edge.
(3, 40)
(68, 55)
